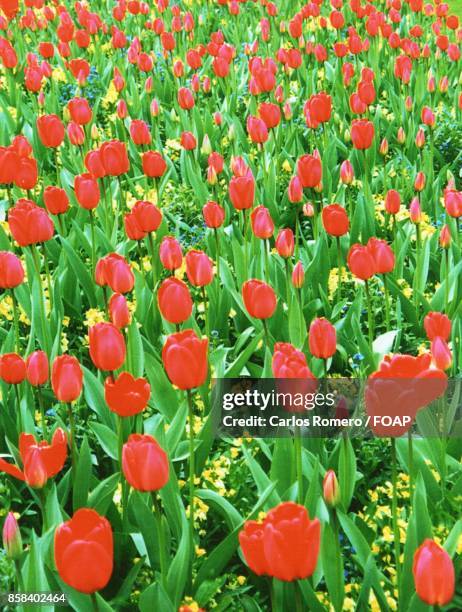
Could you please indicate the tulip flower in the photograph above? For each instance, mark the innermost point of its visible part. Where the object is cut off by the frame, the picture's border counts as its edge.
(362, 133)
(56, 200)
(285, 546)
(144, 463)
(114, 158)
(154, 164)
(86, 191)
(330, 489)
(174, 299)
(50, 130)
(37, 369)
(185, 359)
(12, 541)
(119, 311)
(441, 353)
(214, 215)
(11, 270)
(12, 368)
(322, 338)
(285, 243)
(113, 270)
(335, 220)
(29, 224)
(170, 253)
(309, 171)
(199, 268)
(41, 461)
(434, 575)
(66, 378)
(259, 299)
(242, 191)
(437, 324)
(262, 223)
(107, 346)
(84, 551)
(126, 395)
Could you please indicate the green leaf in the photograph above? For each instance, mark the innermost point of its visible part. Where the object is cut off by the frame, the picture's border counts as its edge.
(82, 476)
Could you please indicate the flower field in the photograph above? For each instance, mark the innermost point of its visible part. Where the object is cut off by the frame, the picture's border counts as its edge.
(200, 191)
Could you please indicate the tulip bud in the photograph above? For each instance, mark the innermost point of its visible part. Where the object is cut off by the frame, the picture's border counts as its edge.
(415, 212)
(308, 209)
(298, 275)
(443, 85)
(445, 237)
(401, 136)
(331, 489)
(384, 147)
(420, 138)
(35, 471)
(347, 172)
(206, 148)
(441, 353)
(408, 104)
(12, 542)
(419, 183)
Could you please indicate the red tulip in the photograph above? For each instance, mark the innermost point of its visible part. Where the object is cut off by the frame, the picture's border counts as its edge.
(322, 338)
(86, 191)
(199, 268)
(361, 262)
(37, 368)
(84, 551)
(347, 172)
(11, 270)
(362, 133)
(434, 574)
(445, 237)
(118, 311)
(144, 463)
(154, 164)
(29, 224)
(188, 141)
(76, 134)
(139, 132)
(114, 158)
(330, 489)
(94, 164)
(170, 253)
(295, 190)
(335, 220)
(318, 109)
(185, 98)
(80, 110)
(382, 254)
(259, 299)
(185, 359)
(50, 130)
(285, 546)
(214, 215)
(309, 171)
(257, 130)
(285, 243)
(107, 346)
(12, 368)
(113, 270)
(55, 200)
(262, 223)
(453, 202)
(298, 275)
(392, 202)
(41, 461)
(66, 378)
(437, 324)
(174, 298)
(126, 395)
(270, 113)
(242, 191)
(147, 215)
(441, 353)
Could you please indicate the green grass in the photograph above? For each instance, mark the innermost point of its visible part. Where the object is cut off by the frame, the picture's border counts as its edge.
(456, 7)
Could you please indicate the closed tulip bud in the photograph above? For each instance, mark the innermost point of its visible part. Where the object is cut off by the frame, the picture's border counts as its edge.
(212, 178)
(11, 270)
(331, 489)
(12, 368)
(347, 172)
(206, 148)
(443, 84)
(126, 395)
(428, 117)
(431, 84)
(259, 299)
(441, 353)
(56, 200)
(445, 237)
(170, 253)
(188, 141)
(217, 119)
(285, 243)
(295, 190)
(419, 183)
(392, 202)
(12, 541)
(408, 104)
(214, 214)
(420, 138)
(401, 136)
(122, 109)
(361, 262)
(87, 191)
(335, 220)
(184, 356)
(107, 346)
(383, 150)
(298, 275)
(262, 223)
(154, 108)
(174, 299)
(322, 338)
(66, 378)
(308, 209)
(434, 574)
(144, 463)
(415, 212)
(84, 551)
(118, 311)
(37, 369)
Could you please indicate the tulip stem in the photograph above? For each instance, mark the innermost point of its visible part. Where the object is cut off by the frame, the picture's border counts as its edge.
(298, 597)
(42, 412)
(446, 281)
(72, 439)
(191, 481)
(298, 462)
(153, 255)
(94, 602)
(206, 313)
(16, 320)
(339, 264)
(19, 576)
(369, 315)
(394, 509)
(217, 254)
(48, 275)
(265, 254)
(35, 257)
(387, 302)
(18, 400)
(161, 540)
(411, 464)
(93, 242)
